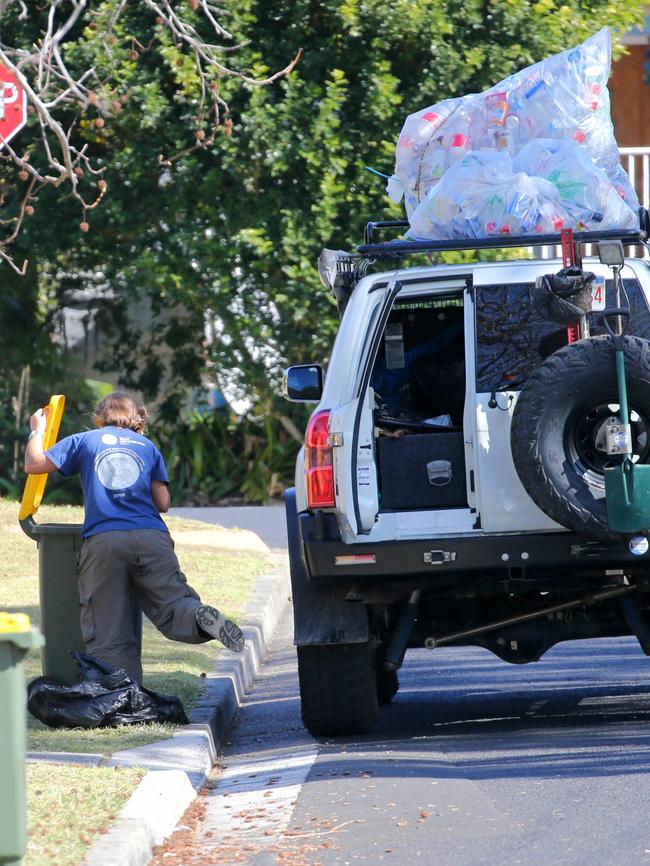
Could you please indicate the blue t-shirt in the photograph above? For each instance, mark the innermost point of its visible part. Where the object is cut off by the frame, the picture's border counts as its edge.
(117, 467)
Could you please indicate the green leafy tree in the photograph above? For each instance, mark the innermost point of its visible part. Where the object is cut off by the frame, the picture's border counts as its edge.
(117, 94)
(227, 228)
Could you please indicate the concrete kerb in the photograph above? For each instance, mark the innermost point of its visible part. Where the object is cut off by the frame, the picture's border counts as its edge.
(179, 766)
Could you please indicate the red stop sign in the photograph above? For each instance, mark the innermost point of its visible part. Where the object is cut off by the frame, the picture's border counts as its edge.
(13, 105)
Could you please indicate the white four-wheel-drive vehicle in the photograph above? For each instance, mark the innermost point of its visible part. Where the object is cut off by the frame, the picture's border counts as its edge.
(451, 488)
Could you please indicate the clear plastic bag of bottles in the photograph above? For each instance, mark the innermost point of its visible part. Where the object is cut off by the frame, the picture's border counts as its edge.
(589, 196)
(549, 185)
(550, 122)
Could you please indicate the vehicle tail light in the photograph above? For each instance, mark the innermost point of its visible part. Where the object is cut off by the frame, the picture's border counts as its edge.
(319, 464)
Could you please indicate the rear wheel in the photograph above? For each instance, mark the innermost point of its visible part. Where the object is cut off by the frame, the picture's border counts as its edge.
(338, 690)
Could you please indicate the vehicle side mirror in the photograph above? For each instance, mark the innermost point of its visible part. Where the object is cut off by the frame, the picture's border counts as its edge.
(303, 383)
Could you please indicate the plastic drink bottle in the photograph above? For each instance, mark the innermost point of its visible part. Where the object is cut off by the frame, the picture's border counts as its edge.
(394, 189)
(439, 161)
(539, 108)
(508, 135)
(430, 120)
(458, 148)
(496, 107)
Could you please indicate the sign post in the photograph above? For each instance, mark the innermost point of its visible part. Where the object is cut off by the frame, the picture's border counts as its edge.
(13, 105)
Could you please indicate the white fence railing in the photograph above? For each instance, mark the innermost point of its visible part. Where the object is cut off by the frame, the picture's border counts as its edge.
(636, 162)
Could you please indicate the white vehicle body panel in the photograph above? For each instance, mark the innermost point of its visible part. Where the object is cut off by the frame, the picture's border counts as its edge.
(503, 503)
(401, 525)
(495, 493)
(299, 482)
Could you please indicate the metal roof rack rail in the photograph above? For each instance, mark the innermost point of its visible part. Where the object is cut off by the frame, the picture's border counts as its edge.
(397, 248)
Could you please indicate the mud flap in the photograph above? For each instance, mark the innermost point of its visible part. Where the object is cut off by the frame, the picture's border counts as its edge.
(320, 613)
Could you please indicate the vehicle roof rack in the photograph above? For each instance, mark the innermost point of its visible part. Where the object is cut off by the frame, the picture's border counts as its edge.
(397, 248)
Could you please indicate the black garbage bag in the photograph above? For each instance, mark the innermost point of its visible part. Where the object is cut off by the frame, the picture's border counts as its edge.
(559, 297)
(105, 698)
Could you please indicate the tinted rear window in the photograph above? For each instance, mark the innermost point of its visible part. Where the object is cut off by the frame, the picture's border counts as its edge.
(421, 358)
(512, 339)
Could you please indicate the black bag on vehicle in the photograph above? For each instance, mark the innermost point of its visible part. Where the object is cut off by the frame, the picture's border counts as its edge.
(561, 297)
(106, 698)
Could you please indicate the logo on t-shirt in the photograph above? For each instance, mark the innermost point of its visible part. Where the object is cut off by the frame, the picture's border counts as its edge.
(127, 440)
(109, 439)
(118, 468)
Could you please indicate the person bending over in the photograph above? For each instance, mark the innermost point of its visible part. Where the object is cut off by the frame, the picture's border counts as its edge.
(127, 550)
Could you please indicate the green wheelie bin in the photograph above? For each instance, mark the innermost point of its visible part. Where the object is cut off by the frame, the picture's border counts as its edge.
(58, 549)
(16, 637)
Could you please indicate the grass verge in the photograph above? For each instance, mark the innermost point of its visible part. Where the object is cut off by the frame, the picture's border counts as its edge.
(69, 806)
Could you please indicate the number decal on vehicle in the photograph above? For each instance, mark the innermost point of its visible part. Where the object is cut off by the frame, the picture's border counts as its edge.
(598, 294)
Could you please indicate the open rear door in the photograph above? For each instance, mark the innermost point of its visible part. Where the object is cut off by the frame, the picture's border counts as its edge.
(352, 438)
(355, 468)
(469, 412)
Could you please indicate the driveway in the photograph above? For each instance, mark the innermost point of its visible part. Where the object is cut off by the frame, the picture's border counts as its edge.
(267, 521)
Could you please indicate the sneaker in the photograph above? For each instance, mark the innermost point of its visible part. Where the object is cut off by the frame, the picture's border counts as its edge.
(216, 625)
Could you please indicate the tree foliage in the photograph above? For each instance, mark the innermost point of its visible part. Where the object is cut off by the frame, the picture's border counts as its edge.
(78, 65)
(292, 178)
(230, 230)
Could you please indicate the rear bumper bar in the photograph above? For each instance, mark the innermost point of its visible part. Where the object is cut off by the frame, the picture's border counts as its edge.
(539, 553)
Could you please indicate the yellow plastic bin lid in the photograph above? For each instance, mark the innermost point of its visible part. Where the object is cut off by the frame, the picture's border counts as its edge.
(12, 622)
(35, 484)
(17, 628)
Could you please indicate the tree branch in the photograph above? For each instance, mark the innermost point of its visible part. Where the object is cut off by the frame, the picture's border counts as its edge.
(48, 71)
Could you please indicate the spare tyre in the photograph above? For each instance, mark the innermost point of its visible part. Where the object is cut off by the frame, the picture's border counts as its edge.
(557, 434)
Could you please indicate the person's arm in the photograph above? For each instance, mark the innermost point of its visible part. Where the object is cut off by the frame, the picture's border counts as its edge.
(160, 496)
(36, 463)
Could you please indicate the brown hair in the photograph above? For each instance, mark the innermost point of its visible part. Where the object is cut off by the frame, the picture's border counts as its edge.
(119, 410)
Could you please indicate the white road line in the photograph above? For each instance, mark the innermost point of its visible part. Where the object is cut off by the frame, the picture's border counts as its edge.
(253, 802)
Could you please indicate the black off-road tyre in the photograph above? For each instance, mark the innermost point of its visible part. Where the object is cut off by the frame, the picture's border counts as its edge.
(338, 691)
(556, 421)
(387, 686)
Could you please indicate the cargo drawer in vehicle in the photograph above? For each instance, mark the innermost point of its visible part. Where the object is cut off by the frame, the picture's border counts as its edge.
(423, 470)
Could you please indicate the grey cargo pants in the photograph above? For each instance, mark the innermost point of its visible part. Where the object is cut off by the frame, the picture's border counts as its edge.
(118, 568)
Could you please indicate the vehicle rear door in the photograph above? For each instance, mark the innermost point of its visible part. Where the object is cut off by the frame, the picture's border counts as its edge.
(352, 433)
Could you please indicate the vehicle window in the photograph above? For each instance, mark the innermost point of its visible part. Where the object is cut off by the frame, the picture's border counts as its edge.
(420, 366)
(512, 339)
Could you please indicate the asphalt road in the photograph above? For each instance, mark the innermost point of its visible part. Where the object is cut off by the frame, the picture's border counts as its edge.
(267, 521)
(475, 762)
